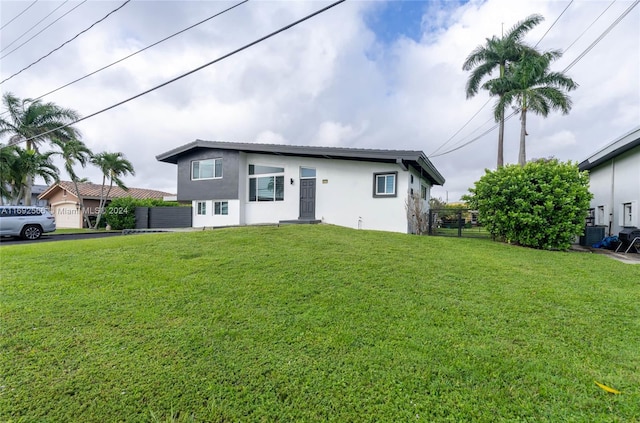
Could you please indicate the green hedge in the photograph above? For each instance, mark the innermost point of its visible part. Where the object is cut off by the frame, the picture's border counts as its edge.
(541, 205)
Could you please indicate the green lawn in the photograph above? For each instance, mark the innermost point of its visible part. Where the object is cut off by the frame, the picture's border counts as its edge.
(314, 323)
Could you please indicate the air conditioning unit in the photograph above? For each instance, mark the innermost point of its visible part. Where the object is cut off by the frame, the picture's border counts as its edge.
(592, 235)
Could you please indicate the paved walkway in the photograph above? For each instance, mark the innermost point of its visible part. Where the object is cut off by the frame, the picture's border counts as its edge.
(629, 258)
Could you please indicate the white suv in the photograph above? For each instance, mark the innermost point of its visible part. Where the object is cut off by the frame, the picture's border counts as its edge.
(28, 222)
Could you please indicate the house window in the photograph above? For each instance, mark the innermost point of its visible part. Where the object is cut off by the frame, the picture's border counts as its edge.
(601, 216)
(384, 184)
(221, 208)
(423, 192)
(307, 172)
(627, 214)
(591, 217)
(268, 186)
(206, 169)
(201, 208)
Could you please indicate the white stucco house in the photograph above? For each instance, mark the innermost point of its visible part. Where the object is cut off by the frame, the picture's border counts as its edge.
(614, 179)
(232, 184)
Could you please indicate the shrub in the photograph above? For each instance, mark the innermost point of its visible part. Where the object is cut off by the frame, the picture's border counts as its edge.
(541, 205)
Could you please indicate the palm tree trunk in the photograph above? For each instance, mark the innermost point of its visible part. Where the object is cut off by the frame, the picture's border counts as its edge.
(27, 190)
(522, 157)
(81, 201)
(501, 143)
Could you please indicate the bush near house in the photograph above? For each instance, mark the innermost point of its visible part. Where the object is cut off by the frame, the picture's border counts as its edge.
(541, 205)
(120, 213)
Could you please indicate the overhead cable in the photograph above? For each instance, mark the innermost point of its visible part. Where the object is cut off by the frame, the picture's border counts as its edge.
(68, 41)
(45, 28)
(554, 22)
(141, 50)
(33, 26)
(18, 15)
(238, 50)
(589, 27)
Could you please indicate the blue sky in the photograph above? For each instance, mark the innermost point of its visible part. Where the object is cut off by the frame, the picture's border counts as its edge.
(366, 74)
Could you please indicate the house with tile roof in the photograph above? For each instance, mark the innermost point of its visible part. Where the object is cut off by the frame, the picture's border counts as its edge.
(231, 183)
(65, 204)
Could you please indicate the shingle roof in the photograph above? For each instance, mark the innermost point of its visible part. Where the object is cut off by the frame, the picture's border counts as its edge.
(416, 158)
(92, 191)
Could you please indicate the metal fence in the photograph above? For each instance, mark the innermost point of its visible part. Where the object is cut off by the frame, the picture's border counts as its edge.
(455, 222)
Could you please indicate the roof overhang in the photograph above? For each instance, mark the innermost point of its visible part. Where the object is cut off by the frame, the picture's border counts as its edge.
(611, 150)
(417, 159)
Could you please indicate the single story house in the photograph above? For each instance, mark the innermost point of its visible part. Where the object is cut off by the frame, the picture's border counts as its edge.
(232, 183)
(614, 179)
(65, 204)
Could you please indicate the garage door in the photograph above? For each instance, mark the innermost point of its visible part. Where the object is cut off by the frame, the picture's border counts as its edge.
(67, 216)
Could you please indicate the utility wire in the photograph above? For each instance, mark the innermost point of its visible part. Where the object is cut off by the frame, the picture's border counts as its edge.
(18, 15)
(461, 128)
(589, 27)
(33, 26)
(45, 28)
(604, 34)
(238, 50)
(554, 22)
(143, 49)
(68, 41)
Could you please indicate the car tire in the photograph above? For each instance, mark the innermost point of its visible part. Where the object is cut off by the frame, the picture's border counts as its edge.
(31, 232)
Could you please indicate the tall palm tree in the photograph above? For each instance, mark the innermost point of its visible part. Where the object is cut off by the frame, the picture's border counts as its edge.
(74, 152)
(113, 167)
(33, 122)
(497, 53)
(8, 157)
(530, 85)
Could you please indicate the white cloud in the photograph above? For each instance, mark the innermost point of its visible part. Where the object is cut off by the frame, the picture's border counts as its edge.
(328, 81)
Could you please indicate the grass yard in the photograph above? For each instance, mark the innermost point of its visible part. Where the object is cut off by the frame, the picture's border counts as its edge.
(314, 323)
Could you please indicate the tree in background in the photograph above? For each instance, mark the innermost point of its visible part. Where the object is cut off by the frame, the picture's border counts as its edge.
(74, 152)
(23, 166)
(541, 205)
(34, 122)
(530, 85)
(498, 53)
(113, 167)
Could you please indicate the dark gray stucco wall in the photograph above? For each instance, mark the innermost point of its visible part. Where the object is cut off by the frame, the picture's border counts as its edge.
(225, 188)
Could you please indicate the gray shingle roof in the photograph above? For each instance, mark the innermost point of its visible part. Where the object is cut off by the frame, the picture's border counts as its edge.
(409, 157)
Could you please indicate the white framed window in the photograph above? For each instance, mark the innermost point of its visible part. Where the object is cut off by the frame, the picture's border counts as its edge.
(307, 172)
(201, 208)
(602, 215)
(206, 169)
(266, 183)
(220, 208)
(423, 192)
(385, 184)
(629, 214)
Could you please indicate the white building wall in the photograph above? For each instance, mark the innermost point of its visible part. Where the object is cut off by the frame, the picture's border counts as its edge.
(212, 220)
(613, 184)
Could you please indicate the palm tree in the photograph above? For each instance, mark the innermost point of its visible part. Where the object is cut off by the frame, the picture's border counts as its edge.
(531, 86)
(8, 157)
(113, 166)
(74, 152)
(27, 165)
(33, 122)
(498, 53)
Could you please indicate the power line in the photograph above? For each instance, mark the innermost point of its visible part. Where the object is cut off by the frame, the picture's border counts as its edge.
(553, 24)
(143, 49)
(461, 128)
(68, 41)
(45, 28)
(18, 15)
(33, 26)
(589, 27)
(238, 50)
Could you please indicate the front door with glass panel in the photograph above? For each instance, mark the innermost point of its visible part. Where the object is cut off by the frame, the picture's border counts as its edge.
(307, 193)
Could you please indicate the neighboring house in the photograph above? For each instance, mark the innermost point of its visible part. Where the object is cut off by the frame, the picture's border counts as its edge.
(36, 190)
(244, 183)
(614, 179)
(65, 205)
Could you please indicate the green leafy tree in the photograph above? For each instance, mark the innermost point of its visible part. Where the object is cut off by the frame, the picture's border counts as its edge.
(113, 166)
(498, 53)
(74, 152)
(530, 86)
(541, 205)
(34, 122)
(25, 165)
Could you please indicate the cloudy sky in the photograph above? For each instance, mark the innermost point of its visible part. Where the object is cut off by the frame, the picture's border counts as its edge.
(366, 74)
